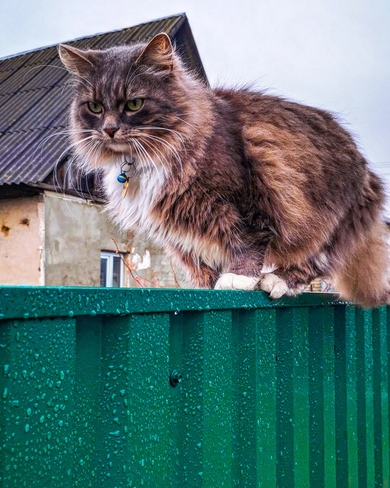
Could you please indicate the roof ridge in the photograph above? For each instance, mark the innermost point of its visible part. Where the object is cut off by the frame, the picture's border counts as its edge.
(50, 46)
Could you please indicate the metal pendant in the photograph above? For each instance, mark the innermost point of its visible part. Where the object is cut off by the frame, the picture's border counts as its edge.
(122, 178)
(125, 188)
(125, 174)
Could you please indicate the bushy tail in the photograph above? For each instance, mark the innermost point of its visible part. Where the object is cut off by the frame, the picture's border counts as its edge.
(364, 277)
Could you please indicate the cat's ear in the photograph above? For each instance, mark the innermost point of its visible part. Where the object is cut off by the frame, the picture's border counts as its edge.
(75, 60)
(158, 54)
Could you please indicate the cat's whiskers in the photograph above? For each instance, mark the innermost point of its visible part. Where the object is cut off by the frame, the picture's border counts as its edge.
(170, 147)
(91, 147)
(73, 84)
(141, 154)
(157, 152)
(147, 160)
(64, 132)
(146, 127)
(93, 150)
(71, 182)
(191, 126)
(74, 146)
(163, 141)
(64, 153)
(71, 161)
(166, 143)
(79, 79)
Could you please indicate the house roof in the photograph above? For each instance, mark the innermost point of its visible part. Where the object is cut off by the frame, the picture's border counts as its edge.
(34, 99)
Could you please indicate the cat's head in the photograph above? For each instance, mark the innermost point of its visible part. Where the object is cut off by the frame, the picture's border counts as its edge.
(130, 102)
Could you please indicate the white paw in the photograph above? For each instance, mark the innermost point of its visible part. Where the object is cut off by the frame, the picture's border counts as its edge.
(273, 285)
(231, 281)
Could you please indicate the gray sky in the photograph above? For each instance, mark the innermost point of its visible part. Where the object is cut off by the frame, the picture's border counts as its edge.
(333, 54)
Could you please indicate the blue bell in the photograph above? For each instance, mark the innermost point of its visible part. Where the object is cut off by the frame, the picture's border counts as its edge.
(122, 178)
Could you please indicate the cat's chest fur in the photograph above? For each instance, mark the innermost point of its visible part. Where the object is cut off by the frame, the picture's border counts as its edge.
(131, 207)
(135, 207)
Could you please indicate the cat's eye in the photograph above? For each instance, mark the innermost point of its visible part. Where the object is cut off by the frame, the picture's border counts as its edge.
(134, 105)
(95, 108)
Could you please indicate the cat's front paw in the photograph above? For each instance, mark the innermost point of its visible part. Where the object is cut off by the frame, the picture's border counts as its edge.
(231, 281)
(273, 285)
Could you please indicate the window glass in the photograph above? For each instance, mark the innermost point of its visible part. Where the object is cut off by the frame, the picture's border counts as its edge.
(103, 271)
(111, 269)
(116, 271)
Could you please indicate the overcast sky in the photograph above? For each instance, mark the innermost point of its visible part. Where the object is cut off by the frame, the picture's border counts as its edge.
(333, 54)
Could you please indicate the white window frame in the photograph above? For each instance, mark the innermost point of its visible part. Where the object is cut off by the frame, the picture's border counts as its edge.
(109, 257)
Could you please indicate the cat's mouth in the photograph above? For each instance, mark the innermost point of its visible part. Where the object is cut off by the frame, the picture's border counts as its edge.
(118, 147)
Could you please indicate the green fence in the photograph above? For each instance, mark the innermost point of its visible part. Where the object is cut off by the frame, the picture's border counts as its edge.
(175, 388)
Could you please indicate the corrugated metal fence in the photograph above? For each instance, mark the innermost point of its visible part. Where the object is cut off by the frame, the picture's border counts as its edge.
(288, 394)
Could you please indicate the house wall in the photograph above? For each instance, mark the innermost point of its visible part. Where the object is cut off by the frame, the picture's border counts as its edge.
(76, 231)
(21, 241)
(152, 266)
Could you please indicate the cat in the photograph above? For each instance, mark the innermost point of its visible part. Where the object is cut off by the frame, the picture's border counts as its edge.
(243, 189)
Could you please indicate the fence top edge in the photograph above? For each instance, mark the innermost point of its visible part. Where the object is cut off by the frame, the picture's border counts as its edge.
(24, 302)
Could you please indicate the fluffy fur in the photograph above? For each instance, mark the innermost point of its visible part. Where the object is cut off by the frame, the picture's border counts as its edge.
(229, 181)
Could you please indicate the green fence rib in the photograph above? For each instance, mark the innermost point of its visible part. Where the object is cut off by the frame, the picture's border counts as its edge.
(386, 393)
(135, 447)
(362, 398)
(369, 389)
(37, 387)
(285, 398)
(352, 399)
(176, 395)
(341, 396)
(147, 409)
(244, 398)
(116, 394)
(218, 398)
(254, 381)
(86, 469)
(377, 393)
(316, 395)
(329, 399)
(300, 374)
(208, 398)
(383, 444)
(265, 340)
(193, 398)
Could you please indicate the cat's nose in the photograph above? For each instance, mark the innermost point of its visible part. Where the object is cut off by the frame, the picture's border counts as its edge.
(110, 131)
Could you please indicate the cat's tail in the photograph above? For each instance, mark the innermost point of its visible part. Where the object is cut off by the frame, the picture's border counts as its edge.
(364, 277)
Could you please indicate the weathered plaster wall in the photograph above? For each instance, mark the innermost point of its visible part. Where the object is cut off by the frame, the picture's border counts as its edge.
(152, 265)
(76, 231)
(21, 241)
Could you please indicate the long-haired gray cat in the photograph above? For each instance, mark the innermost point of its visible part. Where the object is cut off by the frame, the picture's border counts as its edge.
(245, 190)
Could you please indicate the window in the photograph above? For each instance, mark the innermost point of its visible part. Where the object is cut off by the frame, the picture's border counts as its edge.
(111, 269)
